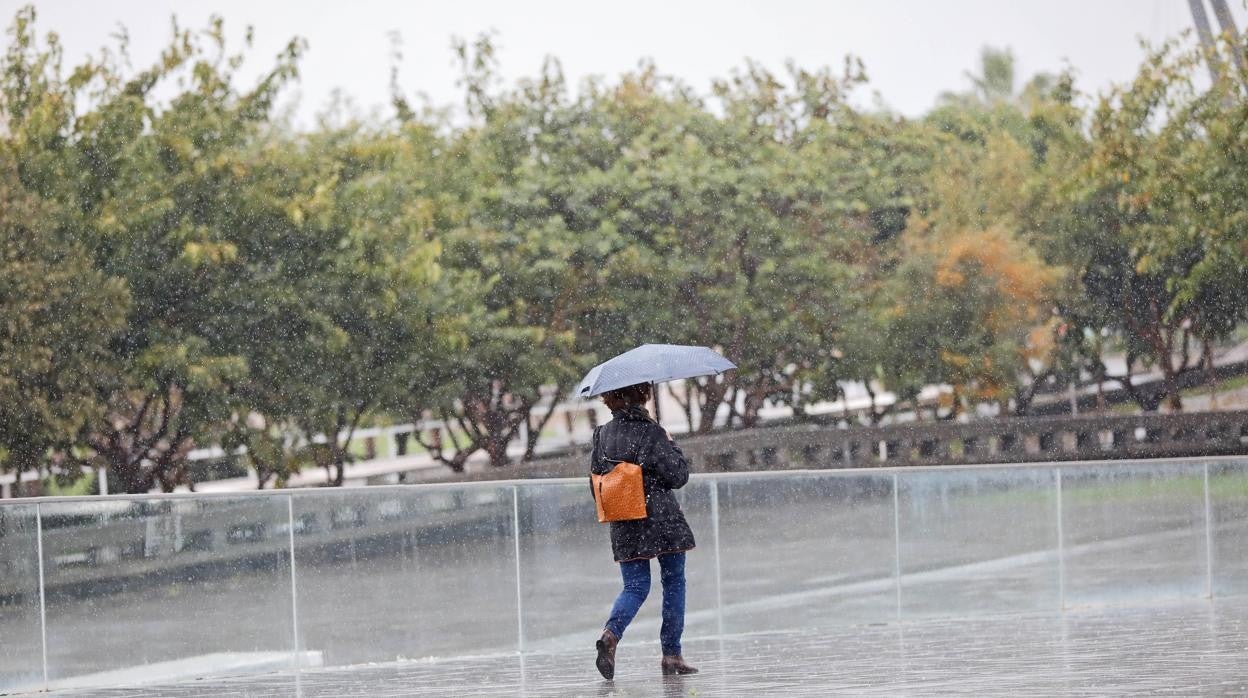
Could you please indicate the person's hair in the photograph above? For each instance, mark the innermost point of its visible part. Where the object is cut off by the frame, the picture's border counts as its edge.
(632, 395)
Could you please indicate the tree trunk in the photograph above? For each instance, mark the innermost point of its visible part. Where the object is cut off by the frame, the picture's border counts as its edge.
(955, 408)
(1211, 375)
(733, 414)
(1148, 401)
(711, 396)
(138, 430)
(750, 408)
(534, 432)
(340, 466)
(1025, 396)
(685, 402)
(877, 415)
(496, 449)
(1171, 387)
(435, 446)
(130, 474)
(871, 396)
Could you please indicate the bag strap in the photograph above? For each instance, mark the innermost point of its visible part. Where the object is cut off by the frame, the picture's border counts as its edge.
(593, 458)
(593, 453)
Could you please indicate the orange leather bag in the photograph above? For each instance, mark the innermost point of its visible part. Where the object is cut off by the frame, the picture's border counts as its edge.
(619, 493)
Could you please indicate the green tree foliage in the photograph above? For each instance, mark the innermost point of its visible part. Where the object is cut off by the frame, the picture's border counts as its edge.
(57, 315)
(761, 242)
(149, 187)
(1153, 227)
(519, 245)
(182, 269)
(343, 311)
(968, 302)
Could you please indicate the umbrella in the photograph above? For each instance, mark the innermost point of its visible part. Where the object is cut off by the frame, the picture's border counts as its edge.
(652, 363)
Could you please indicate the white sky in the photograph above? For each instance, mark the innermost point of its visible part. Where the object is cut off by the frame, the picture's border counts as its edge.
(913, 49)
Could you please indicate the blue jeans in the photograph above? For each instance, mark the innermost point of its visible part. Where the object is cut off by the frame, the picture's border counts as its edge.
(636, 575)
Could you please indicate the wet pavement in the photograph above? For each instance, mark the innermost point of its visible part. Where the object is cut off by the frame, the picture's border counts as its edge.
(1181, 647)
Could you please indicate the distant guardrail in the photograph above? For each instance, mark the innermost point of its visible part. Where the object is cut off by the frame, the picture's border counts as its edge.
(1007, 440)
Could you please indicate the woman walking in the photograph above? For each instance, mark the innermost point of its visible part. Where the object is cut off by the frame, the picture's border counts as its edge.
(633, 437)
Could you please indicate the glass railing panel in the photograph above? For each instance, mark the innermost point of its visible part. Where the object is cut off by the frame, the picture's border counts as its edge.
(701, 605)
(806, 550)
(570, 579)
(978, 541)
(1133, 532)
(1228, 501)
(166, 589)
(21, 644)
(405, 572)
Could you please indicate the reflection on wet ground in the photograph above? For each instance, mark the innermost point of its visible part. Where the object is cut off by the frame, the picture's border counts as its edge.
(1184, 647)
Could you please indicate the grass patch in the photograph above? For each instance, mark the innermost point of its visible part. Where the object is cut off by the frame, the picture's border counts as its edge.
(1221, 387)
(1226, 486)
(1187, 486)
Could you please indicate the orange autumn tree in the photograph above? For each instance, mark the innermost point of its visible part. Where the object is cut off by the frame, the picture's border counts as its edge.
(970, 303)
(1010, 289)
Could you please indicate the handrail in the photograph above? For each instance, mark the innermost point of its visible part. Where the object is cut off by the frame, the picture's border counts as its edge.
(990, 441)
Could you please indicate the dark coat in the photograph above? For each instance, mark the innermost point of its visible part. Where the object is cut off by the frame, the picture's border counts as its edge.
(633, 437)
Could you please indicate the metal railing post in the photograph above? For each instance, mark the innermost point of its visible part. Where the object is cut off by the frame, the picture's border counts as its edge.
(1061, 543)
(515, 534)
(897, 543)
(294, 587)
(719, 596)
(43, 613)
(1208, 538)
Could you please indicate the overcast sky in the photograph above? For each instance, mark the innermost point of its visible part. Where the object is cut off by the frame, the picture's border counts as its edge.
(913, 49)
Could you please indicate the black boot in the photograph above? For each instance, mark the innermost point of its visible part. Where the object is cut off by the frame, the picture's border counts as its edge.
(606, 654)
(676, 665)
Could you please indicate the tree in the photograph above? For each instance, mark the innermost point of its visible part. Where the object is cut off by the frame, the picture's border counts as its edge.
(732, 239)
(346, 301)
(57, 315)
(1155, 235)
(521, 244)
(149, 187)
(969, 301)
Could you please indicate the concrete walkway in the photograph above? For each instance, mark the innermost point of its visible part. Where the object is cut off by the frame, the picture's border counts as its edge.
(1185, 648)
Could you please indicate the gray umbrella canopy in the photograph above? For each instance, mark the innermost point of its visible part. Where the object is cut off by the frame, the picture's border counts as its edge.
(652, 363)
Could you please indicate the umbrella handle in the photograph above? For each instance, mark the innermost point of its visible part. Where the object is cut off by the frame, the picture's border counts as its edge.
(654, 394)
